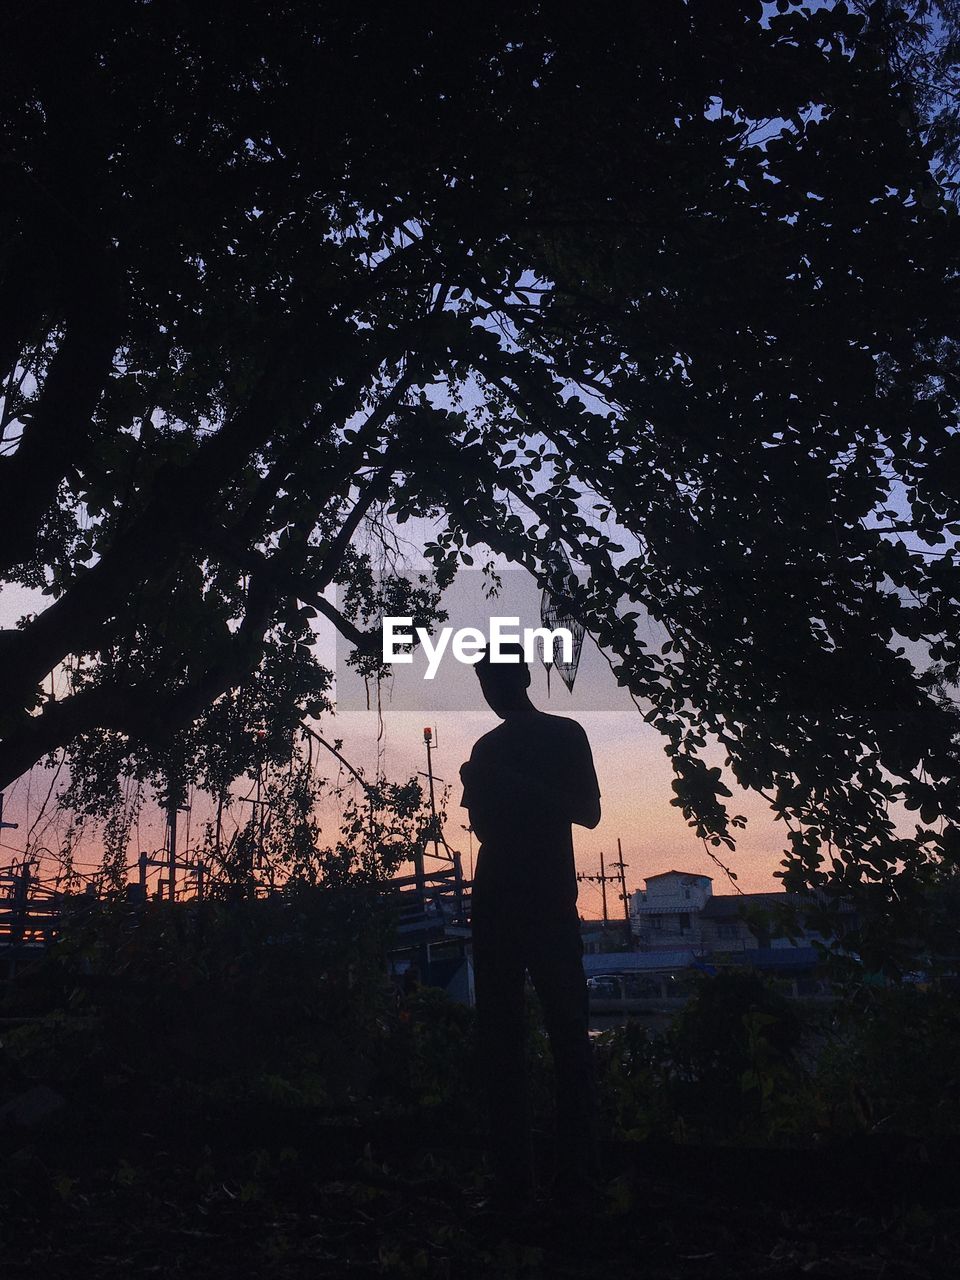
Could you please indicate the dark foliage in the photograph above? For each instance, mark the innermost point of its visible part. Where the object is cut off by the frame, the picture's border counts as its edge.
(677, 296)
(242, 1093)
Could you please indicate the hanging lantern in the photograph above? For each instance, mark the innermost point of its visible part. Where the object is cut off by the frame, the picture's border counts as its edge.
(556, 611)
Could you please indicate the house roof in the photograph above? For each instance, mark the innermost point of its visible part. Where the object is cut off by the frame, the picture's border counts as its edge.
(688, 875)
(781, 958)
(673, 906)
(730, 905)
(637, 961)
(726, 906)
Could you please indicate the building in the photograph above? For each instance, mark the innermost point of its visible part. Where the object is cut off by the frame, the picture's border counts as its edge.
(665, 914)
(678, 910)
(744, 921)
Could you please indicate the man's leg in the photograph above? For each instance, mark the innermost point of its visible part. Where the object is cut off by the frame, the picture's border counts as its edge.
(555, 960)
(498, 973)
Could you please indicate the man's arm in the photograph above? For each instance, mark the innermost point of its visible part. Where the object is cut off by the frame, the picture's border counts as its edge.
(584, 795)
(465, 779)
(473, 799)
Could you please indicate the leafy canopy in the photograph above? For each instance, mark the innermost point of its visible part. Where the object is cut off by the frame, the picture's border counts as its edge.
(673, 292)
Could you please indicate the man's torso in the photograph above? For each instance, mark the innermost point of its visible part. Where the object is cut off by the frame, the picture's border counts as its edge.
(527, 844)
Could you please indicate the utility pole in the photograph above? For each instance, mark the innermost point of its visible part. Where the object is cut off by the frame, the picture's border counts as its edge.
(622, 867)
(254, 857)
(20, 912)
(469, 831)
(173, 808)
(602, 880)
(144, 861)
(258, 806)
(430, 741)
(419, 872)
(20, 884)
(176, 797)
(11, 826)
(198, 871)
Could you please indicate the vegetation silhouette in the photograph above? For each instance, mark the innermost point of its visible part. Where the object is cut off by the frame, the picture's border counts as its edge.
(665, 293)
(270, 283)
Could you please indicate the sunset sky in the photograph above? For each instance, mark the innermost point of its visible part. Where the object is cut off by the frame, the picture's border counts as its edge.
(633, 772)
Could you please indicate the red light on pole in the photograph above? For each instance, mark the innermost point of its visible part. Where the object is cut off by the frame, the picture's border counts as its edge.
(427, 734)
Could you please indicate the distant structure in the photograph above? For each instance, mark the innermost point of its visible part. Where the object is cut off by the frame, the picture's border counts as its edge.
(679, 926)
(678, 910)
(664, 916)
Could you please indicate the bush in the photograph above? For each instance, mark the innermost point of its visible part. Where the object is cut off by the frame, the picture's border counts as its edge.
(729, 1066)
(892, 1064)
(632, 1071)
(205, 1000)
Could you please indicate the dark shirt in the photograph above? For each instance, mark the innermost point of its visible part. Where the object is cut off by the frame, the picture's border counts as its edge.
(526, 781)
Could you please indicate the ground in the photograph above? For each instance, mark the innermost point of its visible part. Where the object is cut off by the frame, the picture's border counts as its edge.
(272, 1192)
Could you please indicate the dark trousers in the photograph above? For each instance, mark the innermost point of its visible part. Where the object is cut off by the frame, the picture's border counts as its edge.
(514, 934)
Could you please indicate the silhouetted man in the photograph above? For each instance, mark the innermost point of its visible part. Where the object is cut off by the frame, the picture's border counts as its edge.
(525, 783)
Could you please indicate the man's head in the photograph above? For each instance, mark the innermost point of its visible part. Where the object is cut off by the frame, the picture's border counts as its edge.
(504, 684)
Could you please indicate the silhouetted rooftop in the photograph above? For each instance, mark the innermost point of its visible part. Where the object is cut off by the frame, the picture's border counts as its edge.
(690, 875)
(729, 905)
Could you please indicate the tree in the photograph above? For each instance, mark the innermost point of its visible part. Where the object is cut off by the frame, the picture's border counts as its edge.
(678, 297)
